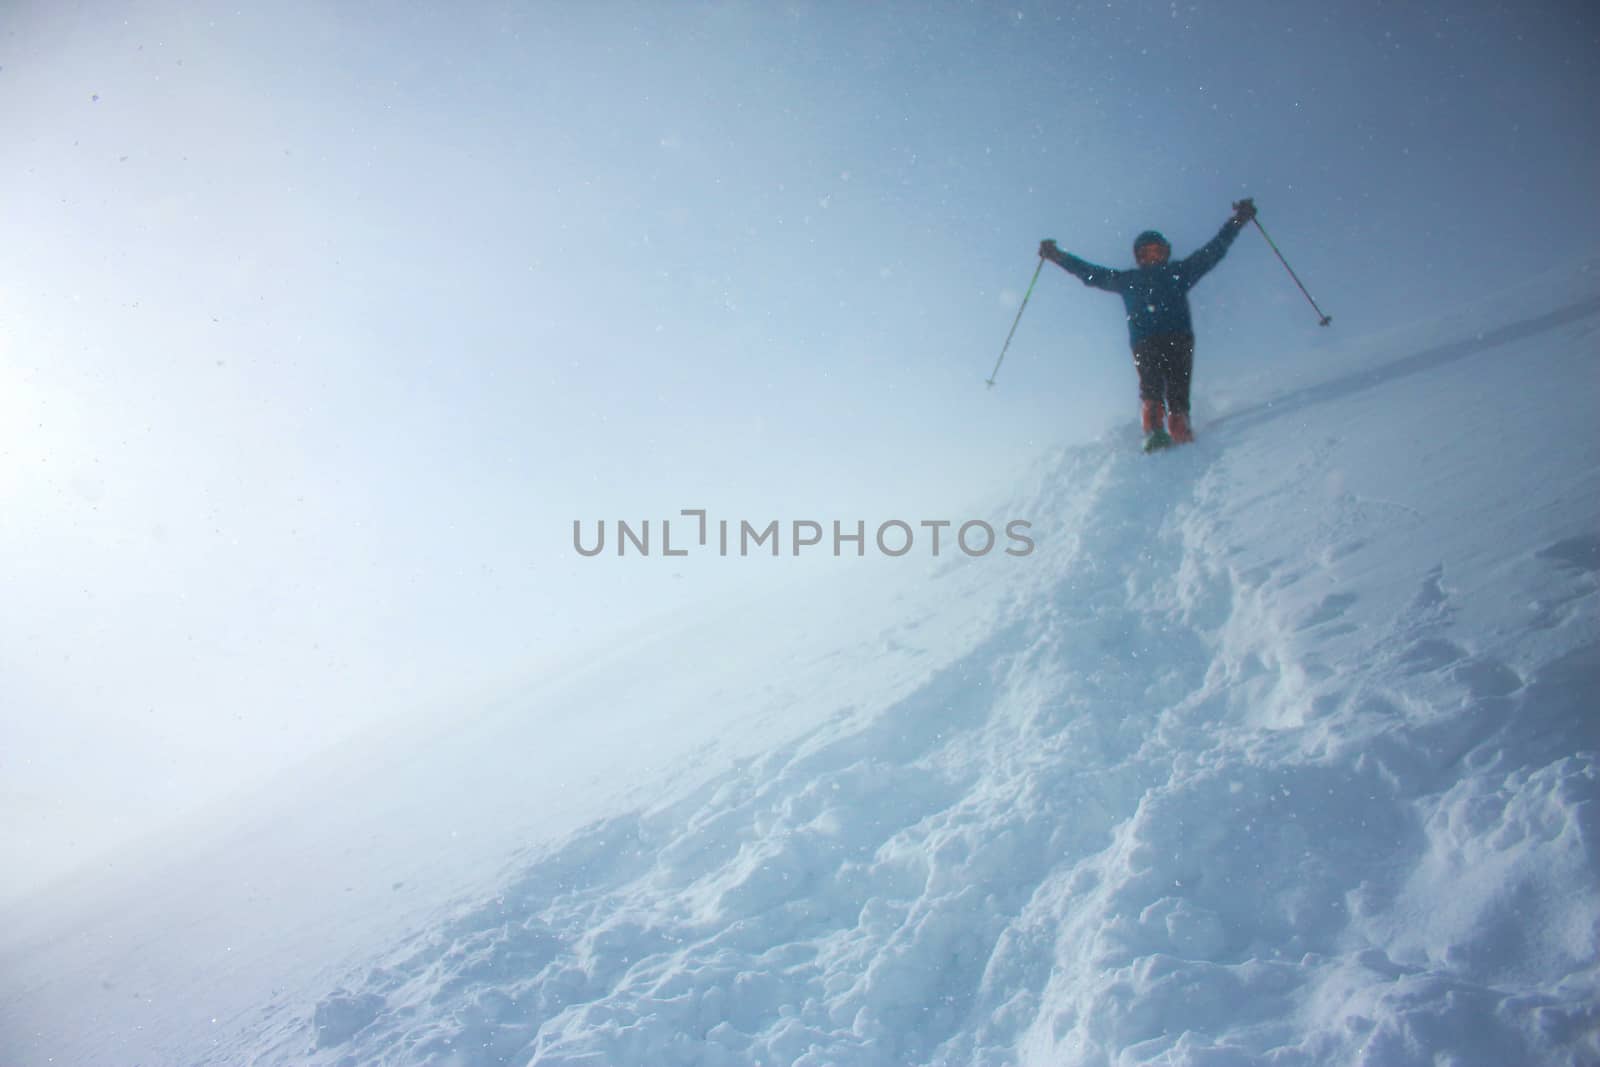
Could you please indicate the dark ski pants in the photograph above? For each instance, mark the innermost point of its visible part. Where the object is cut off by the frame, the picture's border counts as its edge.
(1165, 363)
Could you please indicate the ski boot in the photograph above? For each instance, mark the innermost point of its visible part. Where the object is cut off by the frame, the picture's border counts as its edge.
(1153, 417)
(1178, 426)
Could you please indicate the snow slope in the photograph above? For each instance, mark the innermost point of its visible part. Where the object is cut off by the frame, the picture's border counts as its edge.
(1281, 749)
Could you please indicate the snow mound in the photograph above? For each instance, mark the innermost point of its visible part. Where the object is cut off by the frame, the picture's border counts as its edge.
(1283, 750)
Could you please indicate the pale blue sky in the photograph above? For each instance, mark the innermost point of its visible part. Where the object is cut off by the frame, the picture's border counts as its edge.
(319, 324)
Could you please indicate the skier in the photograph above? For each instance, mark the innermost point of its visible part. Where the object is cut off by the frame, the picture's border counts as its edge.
(1155, 294)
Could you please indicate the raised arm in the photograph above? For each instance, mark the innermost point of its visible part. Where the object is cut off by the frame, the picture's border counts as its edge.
(1092, 275)
(1211, 253)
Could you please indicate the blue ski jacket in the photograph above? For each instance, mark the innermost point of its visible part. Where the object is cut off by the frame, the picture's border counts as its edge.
(1157, 298)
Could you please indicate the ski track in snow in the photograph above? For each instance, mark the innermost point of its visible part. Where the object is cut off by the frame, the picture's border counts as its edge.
(1281, 750)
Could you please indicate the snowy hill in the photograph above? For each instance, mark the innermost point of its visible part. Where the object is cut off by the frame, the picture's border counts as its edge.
(1282, 748)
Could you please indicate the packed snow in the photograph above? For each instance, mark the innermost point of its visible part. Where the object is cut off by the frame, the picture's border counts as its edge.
(1282, 748)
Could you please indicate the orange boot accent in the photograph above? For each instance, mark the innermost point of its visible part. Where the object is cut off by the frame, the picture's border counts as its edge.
(1178, 425)
(1152, 415)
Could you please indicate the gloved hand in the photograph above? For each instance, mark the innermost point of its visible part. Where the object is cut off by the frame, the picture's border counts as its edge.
(1048, 249)
(1243, 211)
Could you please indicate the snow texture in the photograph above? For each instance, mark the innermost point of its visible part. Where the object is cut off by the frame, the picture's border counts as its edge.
(1281, 749)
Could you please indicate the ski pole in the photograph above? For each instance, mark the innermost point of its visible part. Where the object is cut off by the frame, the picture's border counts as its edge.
(990, 380)
(1325, 319)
